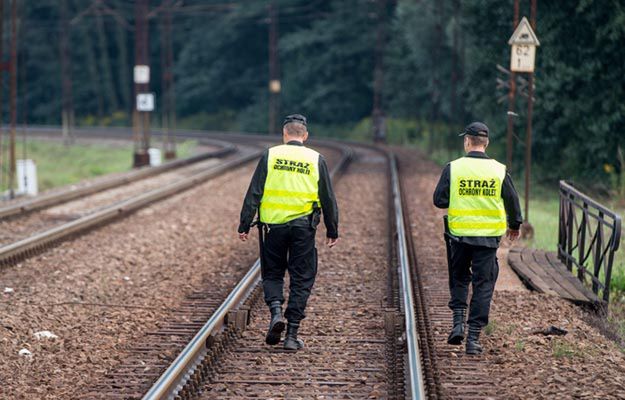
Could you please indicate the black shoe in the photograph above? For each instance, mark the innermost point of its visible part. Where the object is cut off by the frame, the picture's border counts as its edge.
(276, 326)
(291, 342)
(473, 341)
(457, 332)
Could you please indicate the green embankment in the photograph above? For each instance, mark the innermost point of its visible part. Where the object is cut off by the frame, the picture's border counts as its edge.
(59, 165)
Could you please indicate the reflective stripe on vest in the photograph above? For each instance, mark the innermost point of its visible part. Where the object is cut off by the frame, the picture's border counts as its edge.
(292, 186)
(475, 204)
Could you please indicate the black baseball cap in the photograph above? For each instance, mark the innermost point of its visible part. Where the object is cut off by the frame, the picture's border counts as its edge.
(475, 129)
(299, 118)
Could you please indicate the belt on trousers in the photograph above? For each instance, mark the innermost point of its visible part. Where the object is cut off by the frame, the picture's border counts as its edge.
(305, 220)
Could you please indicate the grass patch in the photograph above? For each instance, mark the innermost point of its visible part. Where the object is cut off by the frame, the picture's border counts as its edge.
(490, 328)
(58, 165)
(519, 345)
(560, 349)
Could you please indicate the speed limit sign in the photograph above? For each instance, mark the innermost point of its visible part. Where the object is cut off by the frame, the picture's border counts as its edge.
(523, 52)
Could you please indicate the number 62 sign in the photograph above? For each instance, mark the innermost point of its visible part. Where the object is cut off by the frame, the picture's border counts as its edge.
(524, 43)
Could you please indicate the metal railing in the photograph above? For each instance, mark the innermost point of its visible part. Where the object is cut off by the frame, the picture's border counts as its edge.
(589, 234)
(414, 373)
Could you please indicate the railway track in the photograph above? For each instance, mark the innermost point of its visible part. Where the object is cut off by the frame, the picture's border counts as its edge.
(378, 335)
(73, 192)
(356, 350)
(196, 170)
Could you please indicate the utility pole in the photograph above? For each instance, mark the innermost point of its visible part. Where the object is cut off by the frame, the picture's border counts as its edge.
(67, 113)
(4, 67)
(168, 107)
(13, 101)
(528, 134)
(436, 92)
(454, 63)
(141, 119)
(274, 70)
(379, 120)
(511, 98)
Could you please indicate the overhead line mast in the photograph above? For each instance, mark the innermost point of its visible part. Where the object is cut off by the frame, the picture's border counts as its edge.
(379, 123)
(67, 112)
(13, 100)
(141, 120)
(274, 70)
(168, 103)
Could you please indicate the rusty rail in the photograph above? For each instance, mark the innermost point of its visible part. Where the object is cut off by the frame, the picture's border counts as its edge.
(18, 250)
(52, 199)
(414, 374)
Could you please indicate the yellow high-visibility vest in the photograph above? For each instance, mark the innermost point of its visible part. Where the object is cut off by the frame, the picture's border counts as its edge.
(475, 204)
(292, 186)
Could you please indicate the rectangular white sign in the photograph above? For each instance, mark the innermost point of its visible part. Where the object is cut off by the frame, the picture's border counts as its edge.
(145, 102)
(522, 58)
(142, 74)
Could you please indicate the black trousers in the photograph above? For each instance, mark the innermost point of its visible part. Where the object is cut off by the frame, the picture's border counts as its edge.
(291, 247)
(478, 266)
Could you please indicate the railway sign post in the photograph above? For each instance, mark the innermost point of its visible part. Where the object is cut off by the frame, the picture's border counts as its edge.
(523, 44)
(523, 48)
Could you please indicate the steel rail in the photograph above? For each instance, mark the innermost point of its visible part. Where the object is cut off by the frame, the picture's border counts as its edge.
(181, 369)
(17, 250)
(414, 374)
(52, 199)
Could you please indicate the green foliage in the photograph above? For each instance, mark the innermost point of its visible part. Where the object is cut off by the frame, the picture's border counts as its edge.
(439, 72)
(59, 165)
(490, 328)
(561, 348)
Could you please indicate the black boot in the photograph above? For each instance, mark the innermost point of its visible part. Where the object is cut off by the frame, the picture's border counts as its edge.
(473, 340)
(457, 332)
(276, 326)
(291, 342)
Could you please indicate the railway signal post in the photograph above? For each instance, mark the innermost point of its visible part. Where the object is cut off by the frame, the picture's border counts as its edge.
(141, 113)
(523, 44)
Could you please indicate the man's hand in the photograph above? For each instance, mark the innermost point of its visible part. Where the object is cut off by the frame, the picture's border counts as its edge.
(331, 242)
(243, 236)
(512, 234)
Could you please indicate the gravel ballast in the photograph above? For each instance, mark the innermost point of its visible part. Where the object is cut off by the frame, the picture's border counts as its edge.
(100, 292)
(520, 363)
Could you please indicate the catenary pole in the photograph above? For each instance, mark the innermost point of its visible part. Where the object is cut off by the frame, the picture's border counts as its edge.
(379, 124)
(511, 98)
(13, 100)
(528, 135)
(1, 76)
(141, 119)
(66, 78)
(274, 70)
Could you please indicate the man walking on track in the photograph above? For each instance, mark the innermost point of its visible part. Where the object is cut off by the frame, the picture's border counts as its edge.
(289, 189)
(482, 202)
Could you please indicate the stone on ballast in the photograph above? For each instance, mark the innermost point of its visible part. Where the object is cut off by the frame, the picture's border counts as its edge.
(45, 335)
(25, 353)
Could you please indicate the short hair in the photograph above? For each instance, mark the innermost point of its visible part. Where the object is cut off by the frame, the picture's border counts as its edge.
(477, 140)
(295, 129)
